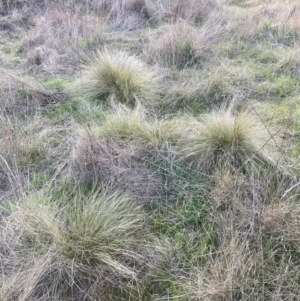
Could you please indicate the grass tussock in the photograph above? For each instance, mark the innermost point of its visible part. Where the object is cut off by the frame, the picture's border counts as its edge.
(134, 125)
(81, 247)
(222, 139)
(119, 76)
(127, 124)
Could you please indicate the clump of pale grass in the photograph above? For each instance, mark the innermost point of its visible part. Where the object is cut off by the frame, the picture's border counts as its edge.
(133, 125)
(123, 123)
(222, 138)
(81, 246)
(118, 75)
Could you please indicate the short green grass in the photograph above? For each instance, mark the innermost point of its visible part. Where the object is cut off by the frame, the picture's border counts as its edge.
(56, 85)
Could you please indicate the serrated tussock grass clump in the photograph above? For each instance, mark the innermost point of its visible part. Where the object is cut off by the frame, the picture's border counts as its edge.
(78, 245)
(138, 127)
(223, 139)
(123, 123)
(118, 75)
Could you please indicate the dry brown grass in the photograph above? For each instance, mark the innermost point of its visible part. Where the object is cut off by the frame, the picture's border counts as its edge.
(180, 44)
(237, 206)
(25, 7)
(122, 15)
(257, 229)
(128, 14)
(225, 276)
(31, 150)
(227, 81)
(175, 45)
(115, 167)
(284, 15)
(264, 217)
(290, 62)
(275, 20)
(21, 94)
(118, 152)
(281, 220)
(189, 10)
(59, 38)
(132, 14)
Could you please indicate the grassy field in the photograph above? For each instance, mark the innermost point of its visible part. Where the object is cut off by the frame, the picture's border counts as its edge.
(149, 150)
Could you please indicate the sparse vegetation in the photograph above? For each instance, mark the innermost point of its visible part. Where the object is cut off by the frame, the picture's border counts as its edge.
(149, 150)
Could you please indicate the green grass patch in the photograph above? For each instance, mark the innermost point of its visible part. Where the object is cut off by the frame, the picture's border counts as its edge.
(57, 84)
